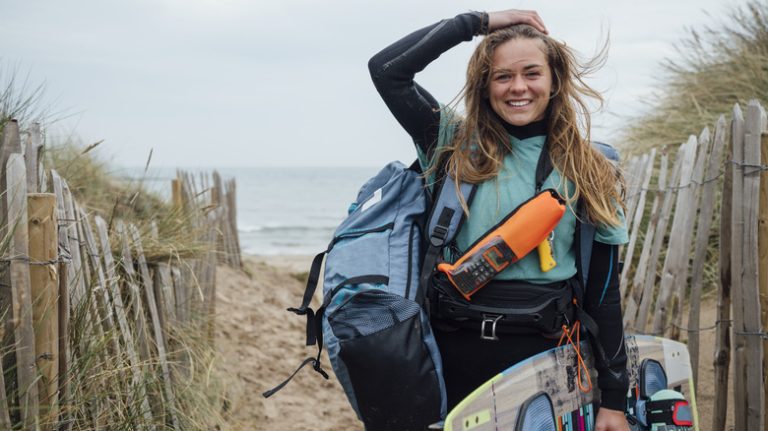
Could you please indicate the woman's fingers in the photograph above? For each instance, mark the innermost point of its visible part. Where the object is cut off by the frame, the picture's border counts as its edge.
(501, 19)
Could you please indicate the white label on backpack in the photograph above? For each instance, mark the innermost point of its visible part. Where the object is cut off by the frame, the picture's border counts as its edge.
(374, 199)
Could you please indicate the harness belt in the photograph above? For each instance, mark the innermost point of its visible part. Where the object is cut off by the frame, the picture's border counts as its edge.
(525, 308)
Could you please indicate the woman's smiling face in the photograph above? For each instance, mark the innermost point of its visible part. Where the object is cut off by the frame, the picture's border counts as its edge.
(521, 81)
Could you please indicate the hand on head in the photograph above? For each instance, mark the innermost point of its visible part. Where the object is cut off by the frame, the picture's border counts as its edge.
(505, 18)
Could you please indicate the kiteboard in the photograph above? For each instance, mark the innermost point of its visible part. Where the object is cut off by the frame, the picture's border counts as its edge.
(505, 400)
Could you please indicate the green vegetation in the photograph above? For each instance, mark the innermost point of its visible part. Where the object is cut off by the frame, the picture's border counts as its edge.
(101, 193)
(104, 391)
(716, 67)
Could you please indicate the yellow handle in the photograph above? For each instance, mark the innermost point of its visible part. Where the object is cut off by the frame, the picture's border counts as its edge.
(546, 257)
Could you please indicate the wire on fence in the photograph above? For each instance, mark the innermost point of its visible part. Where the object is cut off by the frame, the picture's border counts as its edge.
(757, 168)
(760, 334)
(706, 328)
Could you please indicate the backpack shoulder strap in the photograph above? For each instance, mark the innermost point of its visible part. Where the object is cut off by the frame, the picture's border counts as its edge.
(445, 218)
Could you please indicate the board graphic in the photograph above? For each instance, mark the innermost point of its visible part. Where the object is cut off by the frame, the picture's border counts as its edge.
(497, 403)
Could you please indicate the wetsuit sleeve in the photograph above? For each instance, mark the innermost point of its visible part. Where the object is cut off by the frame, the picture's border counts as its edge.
(393, 70)
(603, 303)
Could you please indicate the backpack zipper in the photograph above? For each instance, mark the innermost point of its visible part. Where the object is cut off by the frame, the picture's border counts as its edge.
(349, 235)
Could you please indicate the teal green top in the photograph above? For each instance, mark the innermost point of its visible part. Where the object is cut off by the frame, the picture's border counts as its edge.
(515, 184)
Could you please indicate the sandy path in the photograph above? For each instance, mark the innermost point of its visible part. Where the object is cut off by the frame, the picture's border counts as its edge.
(261, 344)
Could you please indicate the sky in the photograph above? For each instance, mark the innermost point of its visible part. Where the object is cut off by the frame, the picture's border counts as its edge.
(225, 83)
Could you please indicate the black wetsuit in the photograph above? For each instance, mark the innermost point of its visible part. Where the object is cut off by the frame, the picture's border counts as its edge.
(468, 360)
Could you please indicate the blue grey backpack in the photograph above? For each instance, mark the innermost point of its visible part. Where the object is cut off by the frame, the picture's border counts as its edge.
(373, 319)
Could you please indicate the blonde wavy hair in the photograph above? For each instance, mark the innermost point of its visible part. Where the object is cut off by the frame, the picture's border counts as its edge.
(480, 143)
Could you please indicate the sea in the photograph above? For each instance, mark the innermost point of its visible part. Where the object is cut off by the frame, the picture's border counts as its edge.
(280, 211)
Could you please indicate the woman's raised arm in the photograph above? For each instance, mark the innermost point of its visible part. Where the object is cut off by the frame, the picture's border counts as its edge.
(393, 70)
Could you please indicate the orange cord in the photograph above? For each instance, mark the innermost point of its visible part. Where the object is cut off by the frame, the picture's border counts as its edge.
(576, 346)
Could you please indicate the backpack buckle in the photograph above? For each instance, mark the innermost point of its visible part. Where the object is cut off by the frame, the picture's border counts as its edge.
(493, 320)
(437, 238)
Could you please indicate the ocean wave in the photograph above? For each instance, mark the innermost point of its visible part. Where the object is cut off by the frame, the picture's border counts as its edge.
(274, 228)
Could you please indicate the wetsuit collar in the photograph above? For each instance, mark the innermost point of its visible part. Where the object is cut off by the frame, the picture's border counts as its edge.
(537, 128)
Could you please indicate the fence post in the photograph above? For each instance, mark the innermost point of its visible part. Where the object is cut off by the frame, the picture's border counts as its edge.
(763, 245)
(26, 368)
(752, 328)
(43, 256)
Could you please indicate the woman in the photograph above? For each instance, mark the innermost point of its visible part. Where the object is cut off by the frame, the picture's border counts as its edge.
(522, 95)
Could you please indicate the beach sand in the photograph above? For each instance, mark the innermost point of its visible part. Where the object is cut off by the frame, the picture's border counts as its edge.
(260, 344)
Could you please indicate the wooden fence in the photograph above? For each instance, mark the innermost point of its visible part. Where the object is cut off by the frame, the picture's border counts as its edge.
(674, 230)
(69, 279)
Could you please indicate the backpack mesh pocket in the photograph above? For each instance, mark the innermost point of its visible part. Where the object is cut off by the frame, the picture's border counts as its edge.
(381, 345)
(369, 312)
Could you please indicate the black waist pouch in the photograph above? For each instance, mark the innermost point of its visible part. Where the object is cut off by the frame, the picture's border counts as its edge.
(520, 307)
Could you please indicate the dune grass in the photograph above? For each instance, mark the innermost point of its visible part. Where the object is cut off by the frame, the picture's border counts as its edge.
(715, 67)
(105, 392)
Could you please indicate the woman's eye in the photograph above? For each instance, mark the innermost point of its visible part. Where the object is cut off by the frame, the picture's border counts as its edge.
(502, 77)
(533, 74)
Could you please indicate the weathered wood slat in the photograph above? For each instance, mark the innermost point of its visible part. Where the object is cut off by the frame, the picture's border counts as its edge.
(658, 241)
(637, 290)
(637, 219)
(34, 144)
(10, 143)
(722, 357)
(709, 188)
(100, 291)
(211, 282)
(93, 330)
(78, 299)
(43, 275)
(139, 392)
(676, 247)
(26, 369)
(163, 288)
(181, 290)
(763, 258)
(691, 206)
(231, 193)
(66, 275)
(135, 303)
(154, 313)
(752, 323)
(178, 293)
(737, 237)
(630, 175)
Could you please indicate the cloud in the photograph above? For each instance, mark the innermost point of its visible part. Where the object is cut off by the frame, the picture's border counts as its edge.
(235, 82)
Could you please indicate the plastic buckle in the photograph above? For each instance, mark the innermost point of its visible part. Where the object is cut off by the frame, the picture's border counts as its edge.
(493, 320)
(437, 238)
